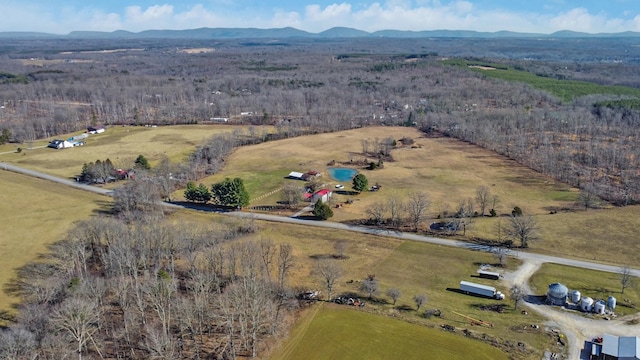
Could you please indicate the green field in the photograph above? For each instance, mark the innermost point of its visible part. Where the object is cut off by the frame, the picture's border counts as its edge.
(566, 90)
(594, 284)
(346, 333)
(36, 213)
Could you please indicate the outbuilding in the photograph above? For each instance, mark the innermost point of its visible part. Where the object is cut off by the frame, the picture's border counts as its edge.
(96, 129)
(620, 348)
(60, 144)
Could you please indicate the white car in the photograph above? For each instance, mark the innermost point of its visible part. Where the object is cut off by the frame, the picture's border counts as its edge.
(339, 186)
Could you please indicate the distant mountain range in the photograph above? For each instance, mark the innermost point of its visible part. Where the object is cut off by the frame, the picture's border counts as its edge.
(289, 32)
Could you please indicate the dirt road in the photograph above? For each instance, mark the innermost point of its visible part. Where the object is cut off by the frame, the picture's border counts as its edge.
(576, 326)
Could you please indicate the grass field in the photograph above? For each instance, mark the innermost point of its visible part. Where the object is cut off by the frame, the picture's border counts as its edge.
(360, 335)
(594, 284)
(36, 213)
(121, 145)
(449, 171)
(567, 90)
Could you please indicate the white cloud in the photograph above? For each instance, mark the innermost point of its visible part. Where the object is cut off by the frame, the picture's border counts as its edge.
(26, 15)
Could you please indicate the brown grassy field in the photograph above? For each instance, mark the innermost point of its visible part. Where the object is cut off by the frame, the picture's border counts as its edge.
(121, 145)
(449, 171)
(36, 213)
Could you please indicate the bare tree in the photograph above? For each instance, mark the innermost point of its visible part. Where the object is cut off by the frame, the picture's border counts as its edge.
(370, 285)
(17, 343)
(587, 198)
(626, 277)
(482, 198)
(329, 272)
(377, 212)
(420, 300)
(516, 293)
(394, 294)
(416, 208)
(339, 246)
(394, 207)
(291, 195)
(522, 229)
(285, 263)
(500, 253)
(267, 252)
(79, 319)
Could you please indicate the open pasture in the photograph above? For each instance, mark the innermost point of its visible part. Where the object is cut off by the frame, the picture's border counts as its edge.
(120, 144)
(347, 330)
(36, 213)
(448, 171)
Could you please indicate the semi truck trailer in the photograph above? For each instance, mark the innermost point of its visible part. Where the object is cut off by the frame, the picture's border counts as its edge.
(482, 290)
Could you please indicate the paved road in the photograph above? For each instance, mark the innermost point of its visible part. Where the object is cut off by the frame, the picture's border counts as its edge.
(575, 338)
(434, 240)
(101, 191)
(338, 226)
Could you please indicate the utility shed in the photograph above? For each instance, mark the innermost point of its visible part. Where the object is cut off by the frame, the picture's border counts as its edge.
(620, 348)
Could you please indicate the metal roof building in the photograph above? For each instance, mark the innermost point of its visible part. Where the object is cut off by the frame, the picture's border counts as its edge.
(620, 348)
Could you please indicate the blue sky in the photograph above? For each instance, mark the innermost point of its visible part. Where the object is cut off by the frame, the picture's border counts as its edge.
(540, 16)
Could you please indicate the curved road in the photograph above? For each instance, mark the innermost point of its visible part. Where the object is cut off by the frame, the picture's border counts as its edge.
(575, 343)
(81, 186)
(339, 226)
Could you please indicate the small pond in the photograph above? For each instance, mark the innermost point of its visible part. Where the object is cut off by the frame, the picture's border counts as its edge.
(342, 174)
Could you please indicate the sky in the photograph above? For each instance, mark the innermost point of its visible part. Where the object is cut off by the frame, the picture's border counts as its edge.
(534, 16)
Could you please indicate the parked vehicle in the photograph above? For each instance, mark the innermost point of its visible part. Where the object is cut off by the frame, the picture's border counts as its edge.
(482, 290)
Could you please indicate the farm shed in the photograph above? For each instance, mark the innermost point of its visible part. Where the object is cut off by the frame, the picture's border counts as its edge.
(60, 144)
(295, 175)
(79, 137)
(620, 348)
(310, 175)
(96, 129)
(322, 194)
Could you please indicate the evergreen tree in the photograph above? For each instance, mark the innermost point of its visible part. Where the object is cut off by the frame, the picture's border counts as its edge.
(142, 163)
(198, 193)
(322, 211)
(360, 183)
(230, 193)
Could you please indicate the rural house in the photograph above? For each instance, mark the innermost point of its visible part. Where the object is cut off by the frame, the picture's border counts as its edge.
(96, 129)
(60, 144)
(322, 194)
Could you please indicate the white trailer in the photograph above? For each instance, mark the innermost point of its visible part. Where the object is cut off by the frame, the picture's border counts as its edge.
(479, 289)
(488, 274)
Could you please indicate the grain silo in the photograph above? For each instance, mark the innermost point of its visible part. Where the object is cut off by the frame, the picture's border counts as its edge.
(575, 296)
(557, 294)
(599, 307)
(586, 304)
(611, 303)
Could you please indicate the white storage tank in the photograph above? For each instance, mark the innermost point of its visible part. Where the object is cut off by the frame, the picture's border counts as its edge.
(611, 303)
(599, 307)
(586, 304)
(575, 296)
(557, 294)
